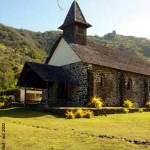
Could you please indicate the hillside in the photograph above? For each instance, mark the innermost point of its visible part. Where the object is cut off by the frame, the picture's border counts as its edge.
(131, 44)
(19, 45)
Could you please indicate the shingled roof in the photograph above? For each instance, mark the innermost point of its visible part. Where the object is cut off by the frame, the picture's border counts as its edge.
(36, 75)
(74, 15)
(103, 56)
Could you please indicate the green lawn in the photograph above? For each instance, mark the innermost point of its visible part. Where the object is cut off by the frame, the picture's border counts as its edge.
(33, 130)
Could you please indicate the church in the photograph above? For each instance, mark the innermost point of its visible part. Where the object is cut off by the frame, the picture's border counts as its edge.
(77, 70)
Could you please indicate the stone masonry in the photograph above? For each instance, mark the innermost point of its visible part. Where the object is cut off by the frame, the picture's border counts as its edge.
(105, 83)
(109, 90)
(77, 94)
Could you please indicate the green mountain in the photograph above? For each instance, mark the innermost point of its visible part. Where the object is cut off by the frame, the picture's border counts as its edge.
(20, 38)
(131, 44)
(19, 45)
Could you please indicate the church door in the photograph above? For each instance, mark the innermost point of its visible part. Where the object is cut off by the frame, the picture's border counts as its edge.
(62, 91)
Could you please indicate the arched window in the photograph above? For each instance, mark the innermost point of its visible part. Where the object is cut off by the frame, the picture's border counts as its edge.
(129, 84)
(102, 80)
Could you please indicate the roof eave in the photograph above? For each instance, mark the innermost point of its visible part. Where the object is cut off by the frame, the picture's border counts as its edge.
(87, 25)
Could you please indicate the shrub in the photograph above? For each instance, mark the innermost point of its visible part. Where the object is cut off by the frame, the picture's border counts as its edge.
(2, 104)
(148, 104)
(140, 110)
(79, 113)
(127, 104)
(4, 98)
(70, 115)
(125, 110)
(95, 102)
(88, 114)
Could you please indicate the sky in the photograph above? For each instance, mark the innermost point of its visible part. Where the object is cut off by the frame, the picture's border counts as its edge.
(126, 17)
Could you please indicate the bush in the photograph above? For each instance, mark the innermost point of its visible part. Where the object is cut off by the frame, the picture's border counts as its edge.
(148, 104)
(70, 115)
(2, 104)
(127, 104)
(4, 98)
(125, 110)
(95, 102)
(88, 114)
(79, 113)
(140, 110)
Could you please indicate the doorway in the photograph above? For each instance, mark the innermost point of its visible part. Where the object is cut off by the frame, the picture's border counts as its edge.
(62, 91)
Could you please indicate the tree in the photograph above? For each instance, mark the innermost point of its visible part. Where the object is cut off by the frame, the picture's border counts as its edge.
(6, 75)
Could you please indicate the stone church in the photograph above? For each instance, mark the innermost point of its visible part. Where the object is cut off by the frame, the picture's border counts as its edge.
(76, 70)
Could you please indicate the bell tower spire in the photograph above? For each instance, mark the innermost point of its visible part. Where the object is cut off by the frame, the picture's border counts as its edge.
(75, 25)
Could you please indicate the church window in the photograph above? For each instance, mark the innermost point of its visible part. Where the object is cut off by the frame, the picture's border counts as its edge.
(129, 84)
(101, 80)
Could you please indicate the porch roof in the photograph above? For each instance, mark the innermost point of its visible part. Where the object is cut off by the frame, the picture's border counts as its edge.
(38, 75)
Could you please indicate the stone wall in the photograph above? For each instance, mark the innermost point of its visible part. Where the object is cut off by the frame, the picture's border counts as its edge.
(148, 88)
(110, 84)
(52, 94)
(136, 91)
(107, 85)
(77, 94)
(97, 112)
(108, 90)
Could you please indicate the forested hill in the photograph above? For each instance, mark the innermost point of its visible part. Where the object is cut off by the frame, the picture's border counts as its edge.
(20, 39)
(19, 45)
(132, 44)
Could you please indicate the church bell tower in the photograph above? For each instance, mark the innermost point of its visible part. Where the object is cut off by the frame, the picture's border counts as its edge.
(75, 26)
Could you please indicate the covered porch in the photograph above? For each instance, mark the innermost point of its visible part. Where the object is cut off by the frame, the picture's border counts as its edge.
(48, 78)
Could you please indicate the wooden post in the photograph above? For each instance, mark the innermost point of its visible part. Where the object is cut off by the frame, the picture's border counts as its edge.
(35, 95)
(47, 94)
(25, 96)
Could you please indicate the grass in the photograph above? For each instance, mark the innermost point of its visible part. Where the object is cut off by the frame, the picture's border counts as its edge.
(33, 130)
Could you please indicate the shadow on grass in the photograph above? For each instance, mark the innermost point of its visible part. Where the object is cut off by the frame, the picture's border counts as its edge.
(23, 112)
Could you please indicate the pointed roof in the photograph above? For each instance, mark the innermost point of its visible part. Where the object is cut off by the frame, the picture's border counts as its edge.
(74, 15)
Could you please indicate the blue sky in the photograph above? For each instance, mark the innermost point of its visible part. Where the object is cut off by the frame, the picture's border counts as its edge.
(127, 17)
